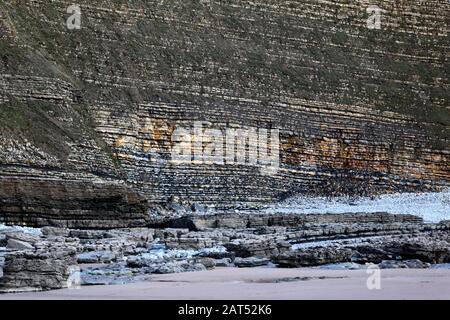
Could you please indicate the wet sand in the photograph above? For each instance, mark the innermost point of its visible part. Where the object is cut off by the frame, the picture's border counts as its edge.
(266, 283)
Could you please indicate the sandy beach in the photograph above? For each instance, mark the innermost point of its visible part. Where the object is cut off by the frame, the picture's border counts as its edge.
(266, 283)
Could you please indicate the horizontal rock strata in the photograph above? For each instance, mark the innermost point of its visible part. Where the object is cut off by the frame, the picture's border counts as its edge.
(40, 261)
(357, 111)
(42, 268)
(70, 203)
(255, 219)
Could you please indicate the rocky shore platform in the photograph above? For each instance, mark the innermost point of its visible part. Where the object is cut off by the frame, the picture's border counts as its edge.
(40, 259)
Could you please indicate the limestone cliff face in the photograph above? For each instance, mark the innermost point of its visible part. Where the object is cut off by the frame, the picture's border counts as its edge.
(353, 109)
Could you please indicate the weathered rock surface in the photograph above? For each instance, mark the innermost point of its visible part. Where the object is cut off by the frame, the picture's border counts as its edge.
(313, 257)
(131, 254)
(427, 247)
(251, 262)
(96, 257)
(74, 204)
(257, 247)
(14, 244)
(42, 269)
(55, 232)
(87, 116)
(108, 274)
(254, 220)
(209, 263)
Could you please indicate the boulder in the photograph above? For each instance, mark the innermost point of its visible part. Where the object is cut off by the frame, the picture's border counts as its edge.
(13, 244)
(38, 270)
(90, 234)
(96, 257)
(427, 250)
(224, 262)
(250, 262)
(426, 247)
(22, 236)
(55, 232)
(209, 263)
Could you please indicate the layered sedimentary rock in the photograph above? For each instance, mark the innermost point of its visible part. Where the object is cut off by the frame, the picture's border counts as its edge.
(425, 247)
(54, 257)
(255, 220)
(335, 107)
(70, 203)
(43, 266)
(313, 257)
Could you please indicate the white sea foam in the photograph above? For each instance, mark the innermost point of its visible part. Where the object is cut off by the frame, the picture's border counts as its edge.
(431, 206)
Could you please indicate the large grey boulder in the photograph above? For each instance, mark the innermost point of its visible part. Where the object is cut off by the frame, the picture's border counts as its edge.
(13, 244)
(51, 268)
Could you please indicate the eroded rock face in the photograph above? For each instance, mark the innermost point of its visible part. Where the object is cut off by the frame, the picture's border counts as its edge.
(262, 247)
(254, 220)
(408, 249)
(250, 262)
(432, 248)
(132, 254)
(357, 117)
(313, 257)
(70, 203)
(33, 270)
